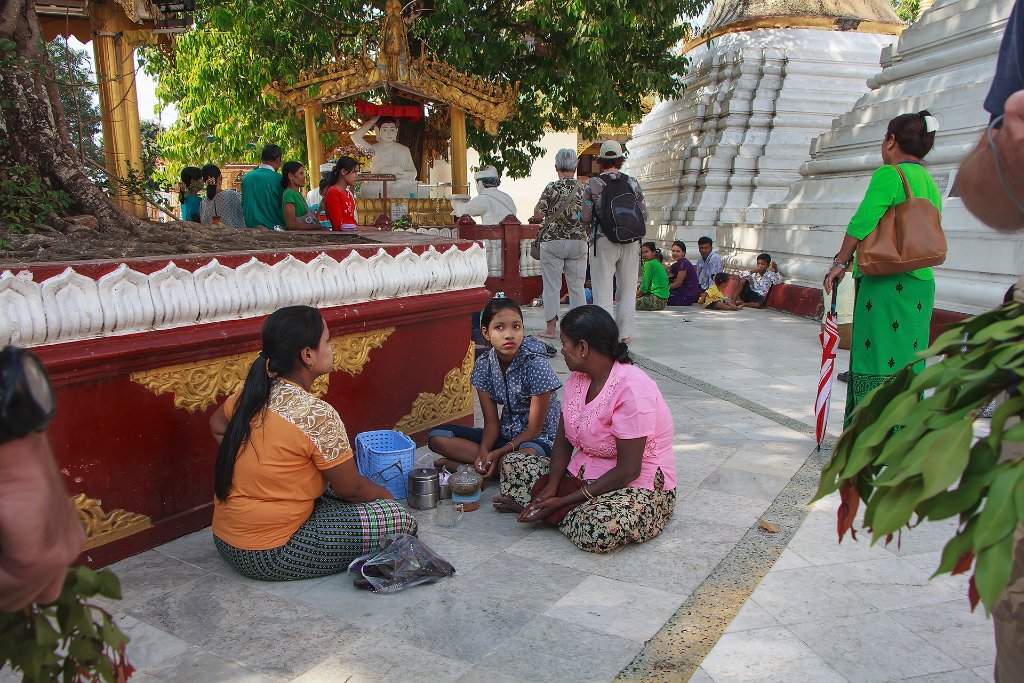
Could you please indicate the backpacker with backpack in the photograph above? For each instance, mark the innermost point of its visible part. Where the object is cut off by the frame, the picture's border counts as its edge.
(621, 219)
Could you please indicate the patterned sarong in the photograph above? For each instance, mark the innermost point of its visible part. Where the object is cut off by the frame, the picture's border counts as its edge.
(891, 319)
(335, 534)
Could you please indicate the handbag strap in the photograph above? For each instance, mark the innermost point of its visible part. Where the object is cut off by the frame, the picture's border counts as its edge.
(906, 185)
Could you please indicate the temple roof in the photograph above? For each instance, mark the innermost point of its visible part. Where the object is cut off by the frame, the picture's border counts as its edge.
(865, 16)
(423, 77)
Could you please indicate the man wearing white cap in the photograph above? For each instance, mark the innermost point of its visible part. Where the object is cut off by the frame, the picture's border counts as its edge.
(490, 204)
(612, 259)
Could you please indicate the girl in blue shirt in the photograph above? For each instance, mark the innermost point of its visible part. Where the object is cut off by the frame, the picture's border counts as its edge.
(515, 374)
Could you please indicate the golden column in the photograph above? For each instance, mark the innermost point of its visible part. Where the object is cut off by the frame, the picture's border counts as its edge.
(119, 108)
(314, 147)
(460, 171)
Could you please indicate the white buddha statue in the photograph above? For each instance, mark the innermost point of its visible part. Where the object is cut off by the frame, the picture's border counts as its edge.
(389, 156)
(490, 204)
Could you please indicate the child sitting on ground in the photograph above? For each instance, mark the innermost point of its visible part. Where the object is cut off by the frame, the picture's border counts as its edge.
(714, 299)
(758, 282)
(652, 294)
(514, 373)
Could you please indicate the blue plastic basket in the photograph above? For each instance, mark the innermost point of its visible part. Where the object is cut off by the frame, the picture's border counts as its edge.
(385, 457)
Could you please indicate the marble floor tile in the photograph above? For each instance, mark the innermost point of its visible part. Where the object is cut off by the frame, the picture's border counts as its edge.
(961, 676)
(367, 610)
(561, 651)
(929, 562)
(283, 642)
(196, 664)
(789, 559)
(872, 647)
(486, 527)
(754, 485)
(462, 554)
(458, 625)
(479, 674)
(208, 604)
(951, 627)
(751, 616)
(148, 575)
(616, 607)
(766, 462)
(924, 537)
(549, 545)
(198, 550)
(149, 646)
(985, 673)
(766, 655)
(721, 508)
(890, 583)
(678, 560)
(282, 589)
(820, 546)
(521, 582)
(807, 594)
(701, 676)
(373, 658)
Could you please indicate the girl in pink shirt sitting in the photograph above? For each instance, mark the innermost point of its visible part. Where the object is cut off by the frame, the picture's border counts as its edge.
(618, 486)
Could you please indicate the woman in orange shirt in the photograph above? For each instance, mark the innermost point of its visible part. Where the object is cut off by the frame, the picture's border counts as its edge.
(279, 446)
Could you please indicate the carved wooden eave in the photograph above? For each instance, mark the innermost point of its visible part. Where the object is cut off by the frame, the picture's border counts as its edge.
(424, 78)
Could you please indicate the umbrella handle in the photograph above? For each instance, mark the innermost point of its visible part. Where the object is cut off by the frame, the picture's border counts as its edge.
(835, 290)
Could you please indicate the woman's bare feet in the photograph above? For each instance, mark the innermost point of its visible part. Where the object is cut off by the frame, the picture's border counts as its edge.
(548, 334)
(506, 504)
(627, 340)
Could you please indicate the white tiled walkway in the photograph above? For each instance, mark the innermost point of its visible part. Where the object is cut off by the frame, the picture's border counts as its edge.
(526, 605)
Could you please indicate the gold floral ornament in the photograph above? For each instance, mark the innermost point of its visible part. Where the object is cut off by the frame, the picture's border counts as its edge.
(197, 386)
(454, 401)
(103, 527)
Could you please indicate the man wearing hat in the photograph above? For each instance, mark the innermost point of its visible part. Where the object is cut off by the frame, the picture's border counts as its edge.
(490, 204)
(611, 261)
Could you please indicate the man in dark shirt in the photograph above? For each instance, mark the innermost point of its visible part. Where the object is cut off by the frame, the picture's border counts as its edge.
(991, 183)
(991, 178)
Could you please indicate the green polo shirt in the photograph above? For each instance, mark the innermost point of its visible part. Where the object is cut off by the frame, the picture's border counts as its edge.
(261, 198)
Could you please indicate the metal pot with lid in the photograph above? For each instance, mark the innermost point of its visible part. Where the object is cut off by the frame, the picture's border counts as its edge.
(424, 489)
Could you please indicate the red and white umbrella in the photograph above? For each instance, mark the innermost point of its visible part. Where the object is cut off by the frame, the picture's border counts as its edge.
(829, 342)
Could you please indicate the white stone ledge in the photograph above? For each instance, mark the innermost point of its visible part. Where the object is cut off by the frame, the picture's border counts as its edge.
(72, 306)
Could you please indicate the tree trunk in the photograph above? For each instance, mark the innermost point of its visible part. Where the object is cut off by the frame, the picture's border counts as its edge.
(33, 131)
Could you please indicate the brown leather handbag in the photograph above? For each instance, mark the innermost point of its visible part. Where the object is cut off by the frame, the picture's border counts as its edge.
(908, 236)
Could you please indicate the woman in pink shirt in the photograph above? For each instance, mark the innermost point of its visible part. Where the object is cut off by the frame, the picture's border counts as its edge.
(618, 486)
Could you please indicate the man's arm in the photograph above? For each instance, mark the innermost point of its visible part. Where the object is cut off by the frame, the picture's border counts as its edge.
(978, 180)
(40, 531)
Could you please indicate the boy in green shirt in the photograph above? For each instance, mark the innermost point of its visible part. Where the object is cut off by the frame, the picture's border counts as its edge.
(261, 192)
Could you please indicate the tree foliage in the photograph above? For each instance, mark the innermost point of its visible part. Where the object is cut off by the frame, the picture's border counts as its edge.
(910, 454)
(72, 72)
(579, 63)
(907, 10)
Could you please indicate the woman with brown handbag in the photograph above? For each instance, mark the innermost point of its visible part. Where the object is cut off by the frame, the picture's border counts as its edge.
(893, 306)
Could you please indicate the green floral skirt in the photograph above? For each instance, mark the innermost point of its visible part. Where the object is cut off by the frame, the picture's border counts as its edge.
(649, 302)
(892, 316)
(611, 520)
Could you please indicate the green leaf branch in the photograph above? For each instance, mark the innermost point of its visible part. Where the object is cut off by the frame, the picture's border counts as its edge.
(910, 454)
(70, 639)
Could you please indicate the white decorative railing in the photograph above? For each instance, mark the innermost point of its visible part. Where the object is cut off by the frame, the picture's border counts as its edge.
(452, 232)
(528, 265)
(494, 257)
(71, 306)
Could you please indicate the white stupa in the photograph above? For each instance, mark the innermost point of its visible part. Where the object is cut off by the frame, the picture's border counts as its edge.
(944, 63)
(773, 76)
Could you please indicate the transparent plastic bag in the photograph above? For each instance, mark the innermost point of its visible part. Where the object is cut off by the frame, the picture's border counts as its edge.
(400, 562)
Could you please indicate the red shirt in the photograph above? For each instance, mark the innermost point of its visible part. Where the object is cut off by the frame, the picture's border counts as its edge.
(340, 206)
